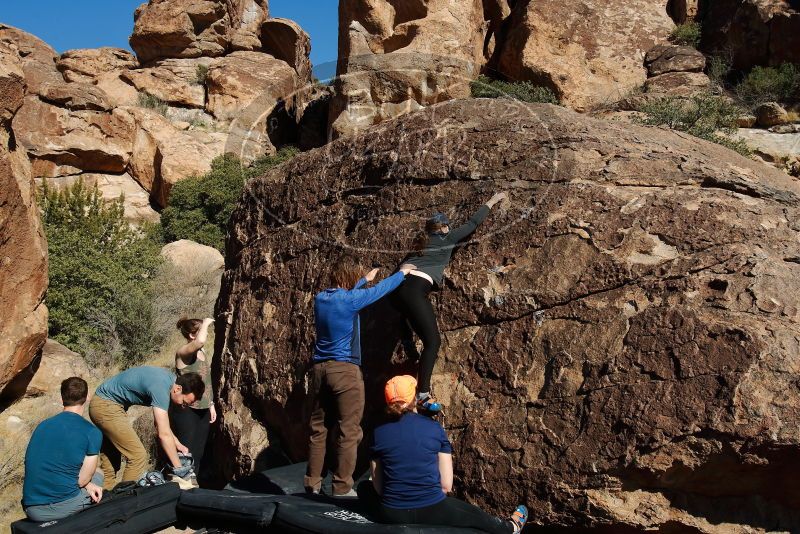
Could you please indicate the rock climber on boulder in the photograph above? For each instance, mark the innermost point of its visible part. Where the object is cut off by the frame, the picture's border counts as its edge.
(432, 251)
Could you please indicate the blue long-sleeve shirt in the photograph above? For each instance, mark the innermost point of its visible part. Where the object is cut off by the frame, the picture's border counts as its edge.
(337, 322)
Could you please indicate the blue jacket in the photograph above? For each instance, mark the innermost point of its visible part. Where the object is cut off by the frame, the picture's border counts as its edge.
(336, 318)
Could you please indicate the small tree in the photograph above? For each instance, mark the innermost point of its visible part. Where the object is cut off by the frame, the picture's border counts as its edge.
(200, 207)
(101, 272)
(705, 116)
(688, 34)
(770, 84)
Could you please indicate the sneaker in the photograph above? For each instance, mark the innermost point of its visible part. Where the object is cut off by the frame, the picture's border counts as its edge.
(351, 493)
(428, 404)
(519, 518)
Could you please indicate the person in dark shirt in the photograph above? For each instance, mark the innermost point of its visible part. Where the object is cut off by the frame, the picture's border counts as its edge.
(337, 384)
(433, 250)
(412, 471)
(61, 476)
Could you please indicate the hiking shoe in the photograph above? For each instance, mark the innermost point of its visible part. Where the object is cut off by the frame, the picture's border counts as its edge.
(519, 518)
(349, 494)
(428, 404)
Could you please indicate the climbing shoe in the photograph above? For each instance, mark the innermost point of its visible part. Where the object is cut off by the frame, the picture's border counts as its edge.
(428, 404)
(519, 518)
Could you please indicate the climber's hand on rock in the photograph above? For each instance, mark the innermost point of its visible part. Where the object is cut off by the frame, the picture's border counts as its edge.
(370, 276)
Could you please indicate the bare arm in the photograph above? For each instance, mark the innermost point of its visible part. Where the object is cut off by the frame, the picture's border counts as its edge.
(87, 470)
(377, 476)
(165, 436)
(184, 354)
(446, 471)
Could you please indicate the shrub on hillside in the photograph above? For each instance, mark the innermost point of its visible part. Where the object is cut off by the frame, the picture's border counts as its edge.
(200, 207)
(101, 271)
(485, 87)
(148, 101)
(687, 34)
(770, 84)
(706, 116)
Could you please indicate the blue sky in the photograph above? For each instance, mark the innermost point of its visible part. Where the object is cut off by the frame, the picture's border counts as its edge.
(66, 24)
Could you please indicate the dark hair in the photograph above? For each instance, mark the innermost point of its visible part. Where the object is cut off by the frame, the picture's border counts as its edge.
(192, 383)
(396, 410)
(424, 237)
(189, 326)
(346, 272)
(74, 391)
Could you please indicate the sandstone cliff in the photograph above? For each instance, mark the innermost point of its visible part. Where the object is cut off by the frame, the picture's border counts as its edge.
(23, 250)
(620, 340)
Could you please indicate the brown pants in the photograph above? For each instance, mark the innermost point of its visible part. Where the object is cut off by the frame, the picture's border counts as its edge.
(338, 389)
(119, 439)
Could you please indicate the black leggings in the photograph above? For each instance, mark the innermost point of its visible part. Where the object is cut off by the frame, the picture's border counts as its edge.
(191, 427)
(450, 512)
(411, 299)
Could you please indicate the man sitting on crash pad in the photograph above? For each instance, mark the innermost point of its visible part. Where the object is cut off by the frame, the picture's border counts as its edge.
(61, 475)
(141, 386)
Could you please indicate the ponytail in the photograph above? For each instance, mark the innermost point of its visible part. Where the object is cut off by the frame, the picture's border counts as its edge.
(396, 410)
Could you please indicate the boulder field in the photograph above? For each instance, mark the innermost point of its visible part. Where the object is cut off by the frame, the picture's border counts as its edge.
(620, 339)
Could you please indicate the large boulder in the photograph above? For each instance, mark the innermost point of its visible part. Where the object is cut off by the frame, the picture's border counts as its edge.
(620, 340)
(88, 64)
(662, 59)
(23, 249)
(395, 57)
(163, 154)
(752, 32)
(83, 139)
(36, 58)
(589, 52)
(284, 39)
(57, 363)
(189, 29)
(177, 82)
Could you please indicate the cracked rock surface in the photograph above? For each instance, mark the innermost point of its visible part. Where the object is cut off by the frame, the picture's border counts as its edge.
(620, 339)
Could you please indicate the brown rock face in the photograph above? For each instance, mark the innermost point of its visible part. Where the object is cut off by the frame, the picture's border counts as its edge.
(88, 64)
(753, 32)
(35, 57)
(619, 340)
(189, 29)
(677, 83)
(23, 250)
(175, 81)
(284, 39)
(395, 57)
(588, 52)
(57, 363)
(87, 140)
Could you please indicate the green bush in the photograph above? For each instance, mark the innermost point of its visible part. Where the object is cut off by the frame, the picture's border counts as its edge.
(101, 269)
(485, 87)
(719, 68)
(146, 100)
(201, 74)
(770, 84)
(687, 34)
(200, 207)
(706, 116)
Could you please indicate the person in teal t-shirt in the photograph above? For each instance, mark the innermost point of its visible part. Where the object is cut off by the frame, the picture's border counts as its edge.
(141, 386)
(61, 475)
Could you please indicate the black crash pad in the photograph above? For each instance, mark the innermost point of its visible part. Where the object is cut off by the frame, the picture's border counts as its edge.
(138, 511)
